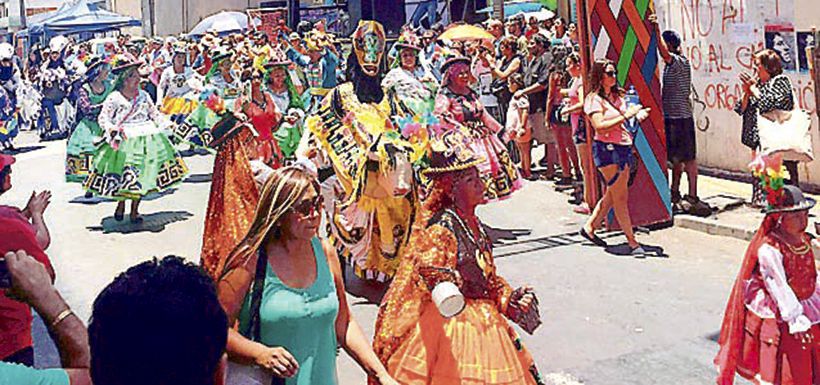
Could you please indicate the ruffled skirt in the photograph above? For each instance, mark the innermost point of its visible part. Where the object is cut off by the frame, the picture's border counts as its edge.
(143, 164)
(475, 347)
(81, 149)
(498, 172)
(177, 106)
(770, 355)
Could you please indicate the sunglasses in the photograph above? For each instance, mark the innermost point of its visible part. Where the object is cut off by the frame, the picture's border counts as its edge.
(611, 73)
(307, 208)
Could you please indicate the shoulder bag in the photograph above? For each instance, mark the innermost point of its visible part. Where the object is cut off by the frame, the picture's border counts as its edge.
(787, 133)
(239, 374)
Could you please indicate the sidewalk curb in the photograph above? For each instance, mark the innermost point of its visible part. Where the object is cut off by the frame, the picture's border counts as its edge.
(713, 227)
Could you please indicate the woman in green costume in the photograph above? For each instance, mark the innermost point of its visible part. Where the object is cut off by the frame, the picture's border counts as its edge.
(224, 82)
(83, 142)
(136, 157)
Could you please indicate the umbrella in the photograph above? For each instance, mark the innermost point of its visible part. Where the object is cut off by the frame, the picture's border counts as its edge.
(541, 15)
(466, 32)
(223, 23)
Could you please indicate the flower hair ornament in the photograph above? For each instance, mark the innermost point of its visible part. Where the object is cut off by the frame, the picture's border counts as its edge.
(771, 172)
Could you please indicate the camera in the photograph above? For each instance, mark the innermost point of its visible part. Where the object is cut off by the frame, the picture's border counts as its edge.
(5, 277)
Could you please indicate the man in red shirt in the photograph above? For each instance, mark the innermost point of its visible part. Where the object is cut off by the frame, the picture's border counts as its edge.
(15, 316)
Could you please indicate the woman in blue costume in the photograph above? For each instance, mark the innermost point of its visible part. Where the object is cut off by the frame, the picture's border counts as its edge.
(82, 145)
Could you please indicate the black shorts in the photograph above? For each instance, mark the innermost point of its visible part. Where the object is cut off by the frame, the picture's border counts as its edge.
(680, 140)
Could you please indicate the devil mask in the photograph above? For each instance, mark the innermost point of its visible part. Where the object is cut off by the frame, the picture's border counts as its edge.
(368, 44)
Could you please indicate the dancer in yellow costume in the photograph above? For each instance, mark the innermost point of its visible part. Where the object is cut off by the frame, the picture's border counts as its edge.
(371, 160)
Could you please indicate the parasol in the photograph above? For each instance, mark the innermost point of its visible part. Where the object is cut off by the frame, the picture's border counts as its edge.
(223, 23)
(466, 32)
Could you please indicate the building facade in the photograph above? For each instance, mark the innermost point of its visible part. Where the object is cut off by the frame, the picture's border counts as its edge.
(719, 38)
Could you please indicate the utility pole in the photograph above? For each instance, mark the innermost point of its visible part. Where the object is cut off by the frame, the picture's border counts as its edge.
(498, 10)
(22, 14)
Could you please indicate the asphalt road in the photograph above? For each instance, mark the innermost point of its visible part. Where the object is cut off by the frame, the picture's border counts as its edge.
(609, 319)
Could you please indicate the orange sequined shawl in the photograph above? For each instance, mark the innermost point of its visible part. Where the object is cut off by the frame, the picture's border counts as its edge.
(431, 244)
(232, 202)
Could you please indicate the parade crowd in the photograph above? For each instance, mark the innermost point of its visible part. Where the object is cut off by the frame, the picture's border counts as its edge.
(333, 151)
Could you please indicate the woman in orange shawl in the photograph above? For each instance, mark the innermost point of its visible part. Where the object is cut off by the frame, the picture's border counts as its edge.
(417, 344)
(234, 192)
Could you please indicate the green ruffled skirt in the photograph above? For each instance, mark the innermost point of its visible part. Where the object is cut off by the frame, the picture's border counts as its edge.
(81, 150)
(141, 165)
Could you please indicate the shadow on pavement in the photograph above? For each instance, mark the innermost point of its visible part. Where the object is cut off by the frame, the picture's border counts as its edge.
(154, 223)
(95, 200)
(22, 150)
(198, 178)
(497, 235)
(623, 250)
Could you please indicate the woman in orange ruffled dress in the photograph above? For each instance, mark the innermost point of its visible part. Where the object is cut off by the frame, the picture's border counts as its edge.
(418, 344)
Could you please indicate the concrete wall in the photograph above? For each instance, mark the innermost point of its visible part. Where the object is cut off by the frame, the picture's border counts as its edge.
(131, 8)
(713, 41)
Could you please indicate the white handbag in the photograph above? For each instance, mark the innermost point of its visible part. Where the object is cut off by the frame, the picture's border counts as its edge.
(787, 133)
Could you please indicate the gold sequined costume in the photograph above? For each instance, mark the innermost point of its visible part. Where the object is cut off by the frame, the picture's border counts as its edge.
(232, 201)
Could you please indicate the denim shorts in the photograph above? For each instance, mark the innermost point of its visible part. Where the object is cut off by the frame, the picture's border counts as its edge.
(606, 154)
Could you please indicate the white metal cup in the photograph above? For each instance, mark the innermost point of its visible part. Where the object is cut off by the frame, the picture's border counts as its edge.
(448, 299)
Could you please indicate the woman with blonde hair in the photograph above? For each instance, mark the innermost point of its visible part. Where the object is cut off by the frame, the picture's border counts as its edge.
(284, 289)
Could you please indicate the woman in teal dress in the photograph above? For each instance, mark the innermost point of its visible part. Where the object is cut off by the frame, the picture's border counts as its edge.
(136, 157)
(283, 287)
(82, 145)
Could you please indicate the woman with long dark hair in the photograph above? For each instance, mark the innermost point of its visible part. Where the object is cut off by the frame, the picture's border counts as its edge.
(612, 149)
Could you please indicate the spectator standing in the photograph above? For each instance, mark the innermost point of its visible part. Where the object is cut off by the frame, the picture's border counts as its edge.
(506, 65)
(681, 146)
(567, 155)
(517, 124)
(765, 90)
(536, 84)
(515, 28)
(574, 95)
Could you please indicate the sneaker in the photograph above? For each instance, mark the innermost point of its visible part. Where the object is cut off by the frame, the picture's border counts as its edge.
(564, 181)
(638, 252)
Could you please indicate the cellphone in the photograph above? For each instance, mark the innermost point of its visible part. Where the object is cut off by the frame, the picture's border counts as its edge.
(5, 277)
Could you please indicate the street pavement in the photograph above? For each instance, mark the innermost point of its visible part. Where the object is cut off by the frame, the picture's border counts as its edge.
(609, 319)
